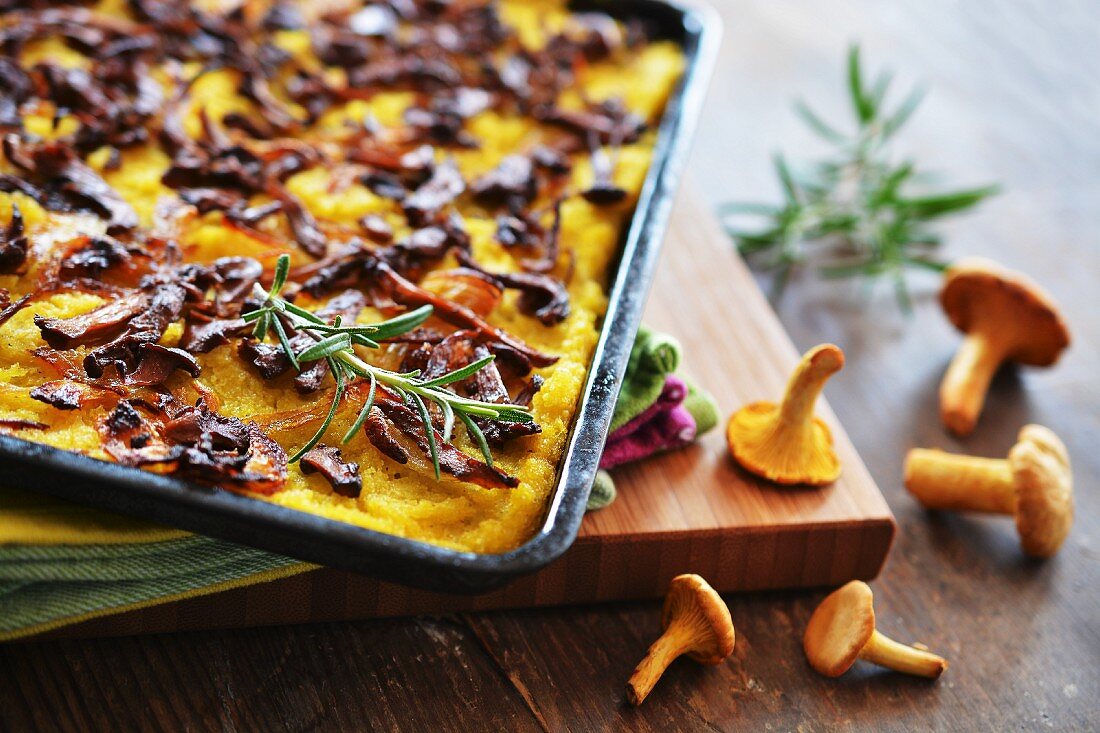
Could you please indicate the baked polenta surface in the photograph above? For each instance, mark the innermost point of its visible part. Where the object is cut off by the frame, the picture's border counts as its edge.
(159, 157)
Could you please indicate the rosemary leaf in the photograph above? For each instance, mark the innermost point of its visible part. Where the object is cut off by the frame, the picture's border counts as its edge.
(285, 342)
(325, 348)
(479, 437)
(459, 374)
(448, 420)
(402, 323)
(341, 385)
(429, 430)
(863, 105)
(282, 271)
(362, 418)
(263, 324)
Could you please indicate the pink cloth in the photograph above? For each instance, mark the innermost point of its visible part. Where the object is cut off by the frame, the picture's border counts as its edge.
(664, 425)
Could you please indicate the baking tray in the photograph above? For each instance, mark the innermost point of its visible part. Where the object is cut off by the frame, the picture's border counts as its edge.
(315, 539)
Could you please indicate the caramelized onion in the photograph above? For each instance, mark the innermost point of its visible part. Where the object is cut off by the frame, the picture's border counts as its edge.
(466, 287)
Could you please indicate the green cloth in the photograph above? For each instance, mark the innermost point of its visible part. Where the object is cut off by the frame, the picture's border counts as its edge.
(652, 359)
(701, 406)
(603, 491)
(42, 587)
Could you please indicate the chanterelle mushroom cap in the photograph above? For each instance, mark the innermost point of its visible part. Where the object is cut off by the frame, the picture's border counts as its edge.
(1006, 317)
(696, 623)
(977, 291)
(786, 443)
(692, 602)
(840, 628)
(1044, 490)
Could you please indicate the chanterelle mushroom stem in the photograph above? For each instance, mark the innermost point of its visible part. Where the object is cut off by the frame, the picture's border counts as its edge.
(960, 483)
(806, 383)
(885, 652)
(966, 383)
(1035, 483)
(662, 653)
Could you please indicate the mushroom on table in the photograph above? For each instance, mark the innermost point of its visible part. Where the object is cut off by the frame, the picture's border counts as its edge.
(787, 443)
(842, 630)
(1035, 484)
(1006, 317)
(696, 623)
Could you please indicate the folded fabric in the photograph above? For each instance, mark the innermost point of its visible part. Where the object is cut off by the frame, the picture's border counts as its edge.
(657, 411)
(664, 425)
(652, 359)
(42, 588)
(61, 563)
(662, 428)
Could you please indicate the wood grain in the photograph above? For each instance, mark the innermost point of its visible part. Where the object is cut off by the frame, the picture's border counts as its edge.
(1014, 91)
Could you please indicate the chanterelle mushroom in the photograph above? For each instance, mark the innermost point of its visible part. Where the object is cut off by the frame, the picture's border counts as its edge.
(1035, 483)
(786, 443)
(696, 622)
(1006, 317)
(842, 630)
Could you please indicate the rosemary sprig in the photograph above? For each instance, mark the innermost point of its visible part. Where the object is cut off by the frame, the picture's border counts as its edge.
(335, 343)
(852, 213)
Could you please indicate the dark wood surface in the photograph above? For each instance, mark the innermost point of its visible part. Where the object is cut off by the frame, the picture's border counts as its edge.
(1015, 90)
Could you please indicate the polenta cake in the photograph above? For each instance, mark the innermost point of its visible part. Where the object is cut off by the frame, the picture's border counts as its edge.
(349, 258)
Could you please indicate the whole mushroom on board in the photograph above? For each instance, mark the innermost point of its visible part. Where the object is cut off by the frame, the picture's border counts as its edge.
(1006, 317)
(1035, 483)
(787, 443)
(696, 622)
(842, 630)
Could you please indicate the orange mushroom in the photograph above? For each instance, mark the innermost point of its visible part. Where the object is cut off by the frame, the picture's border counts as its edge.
(696, 622)
(787, 443)
(1006, 317)
(1035, 483)
(842, 630)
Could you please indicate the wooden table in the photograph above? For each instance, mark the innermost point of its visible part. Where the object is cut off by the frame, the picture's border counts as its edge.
(1015, 94)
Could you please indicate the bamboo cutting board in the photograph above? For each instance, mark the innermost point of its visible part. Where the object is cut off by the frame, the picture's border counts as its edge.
(688, 511)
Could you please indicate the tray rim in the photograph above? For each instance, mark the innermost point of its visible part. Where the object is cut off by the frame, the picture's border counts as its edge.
(312, 538)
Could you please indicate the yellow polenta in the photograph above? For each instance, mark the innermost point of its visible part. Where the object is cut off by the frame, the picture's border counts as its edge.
(395, 499)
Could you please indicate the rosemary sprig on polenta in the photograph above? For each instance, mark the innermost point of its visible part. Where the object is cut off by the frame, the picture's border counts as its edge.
(335, 343)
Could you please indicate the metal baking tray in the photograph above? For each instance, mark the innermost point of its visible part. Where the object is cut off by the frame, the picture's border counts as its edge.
(249, 521)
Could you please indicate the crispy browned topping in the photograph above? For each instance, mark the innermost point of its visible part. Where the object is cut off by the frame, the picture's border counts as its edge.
(13, 245)
(342, 475)
(194, 443)
(458, 60)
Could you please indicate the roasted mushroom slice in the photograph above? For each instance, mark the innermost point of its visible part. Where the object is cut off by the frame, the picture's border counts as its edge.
(195, 443)
(410, 294)
(13, 243)
(94, 327)
(342, 476)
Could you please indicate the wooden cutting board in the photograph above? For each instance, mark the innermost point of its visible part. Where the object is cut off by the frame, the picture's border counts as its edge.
(692, 510)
